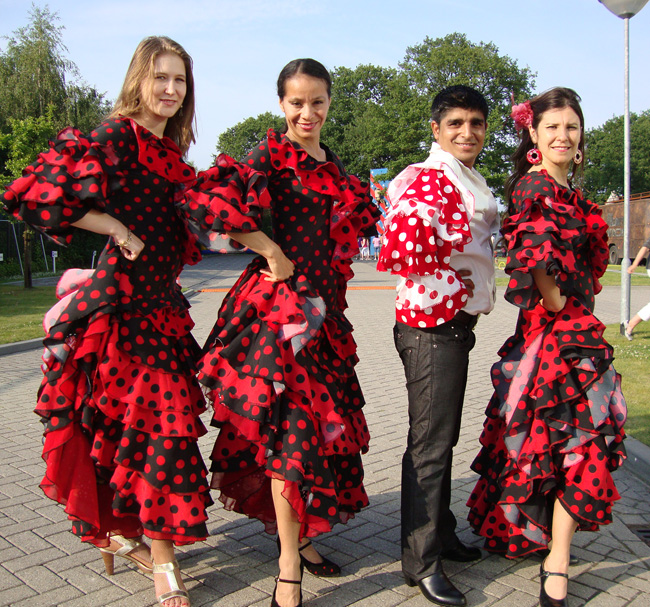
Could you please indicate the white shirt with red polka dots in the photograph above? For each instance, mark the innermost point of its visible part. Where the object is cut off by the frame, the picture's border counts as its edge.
(441, 220)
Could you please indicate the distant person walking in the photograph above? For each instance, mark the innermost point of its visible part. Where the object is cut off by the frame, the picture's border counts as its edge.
(643, 315)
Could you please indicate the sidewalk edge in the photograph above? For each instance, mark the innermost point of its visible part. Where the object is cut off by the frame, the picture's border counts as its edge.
(21, 346)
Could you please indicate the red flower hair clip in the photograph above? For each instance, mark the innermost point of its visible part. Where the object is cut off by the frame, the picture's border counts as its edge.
(522, 114)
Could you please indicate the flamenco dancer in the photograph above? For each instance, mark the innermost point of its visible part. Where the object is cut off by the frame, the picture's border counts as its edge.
(119, 400)
(554, 427)
(280, 359)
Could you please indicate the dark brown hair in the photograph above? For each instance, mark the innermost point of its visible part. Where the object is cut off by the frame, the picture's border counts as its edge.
(554, 99)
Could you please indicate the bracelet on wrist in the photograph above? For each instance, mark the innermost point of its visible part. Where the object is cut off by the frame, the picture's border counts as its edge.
(125, 243)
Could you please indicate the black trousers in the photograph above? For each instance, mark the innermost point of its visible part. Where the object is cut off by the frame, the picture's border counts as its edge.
(435, 363)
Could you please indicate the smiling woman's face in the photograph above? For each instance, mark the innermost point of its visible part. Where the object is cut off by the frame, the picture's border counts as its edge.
(305, 106)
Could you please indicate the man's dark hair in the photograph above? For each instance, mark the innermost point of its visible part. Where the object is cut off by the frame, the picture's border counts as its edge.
(457, 96)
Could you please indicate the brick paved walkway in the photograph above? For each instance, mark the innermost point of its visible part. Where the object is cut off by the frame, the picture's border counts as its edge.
(42, 563)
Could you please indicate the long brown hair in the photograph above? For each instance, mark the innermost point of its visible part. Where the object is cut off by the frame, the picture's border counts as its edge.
(554, 99)
(180, 127)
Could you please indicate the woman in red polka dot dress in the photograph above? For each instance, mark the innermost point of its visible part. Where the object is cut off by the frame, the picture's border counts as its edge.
(120, 400)
(280, 359)
(554, 426)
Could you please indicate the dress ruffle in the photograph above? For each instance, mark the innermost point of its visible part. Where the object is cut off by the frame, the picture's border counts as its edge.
(554, 426)
(63, 184)
(228, 197)
(544, 231)
(118, 417)
(278, 351)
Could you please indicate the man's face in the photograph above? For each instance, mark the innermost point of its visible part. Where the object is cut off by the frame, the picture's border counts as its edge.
(461, 133)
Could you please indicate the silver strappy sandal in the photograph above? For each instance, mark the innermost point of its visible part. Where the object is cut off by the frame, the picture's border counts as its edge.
(173, 572)
(127, 546)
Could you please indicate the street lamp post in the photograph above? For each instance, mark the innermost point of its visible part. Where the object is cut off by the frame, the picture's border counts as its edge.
(625, 9)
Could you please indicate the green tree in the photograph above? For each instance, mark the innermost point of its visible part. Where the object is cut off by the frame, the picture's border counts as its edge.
(26, 139)
(604, 157)
(33, 68)
(240, 139)
(35, 73)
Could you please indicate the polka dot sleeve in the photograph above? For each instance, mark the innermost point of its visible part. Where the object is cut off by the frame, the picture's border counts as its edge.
(421, 230)
(63, 184)
(228, 197)
(548, 228)
(366, 211)
(424, 226)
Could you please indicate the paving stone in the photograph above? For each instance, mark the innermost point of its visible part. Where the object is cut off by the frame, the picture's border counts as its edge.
(236, 565)
(606, 600)
(16, 595)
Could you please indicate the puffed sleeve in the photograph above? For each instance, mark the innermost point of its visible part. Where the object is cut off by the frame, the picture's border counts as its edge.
(425, 224)
(545, 227)
(366, 210)
(228, 197)
(72, 177)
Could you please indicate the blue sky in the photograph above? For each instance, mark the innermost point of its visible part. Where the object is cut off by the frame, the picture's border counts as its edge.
(239, 46)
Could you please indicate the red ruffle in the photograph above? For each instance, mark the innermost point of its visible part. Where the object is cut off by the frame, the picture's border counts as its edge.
(546, 225)
(554, 428)
(277, 351)
(65, 182)
(119, 422)
(228, 197)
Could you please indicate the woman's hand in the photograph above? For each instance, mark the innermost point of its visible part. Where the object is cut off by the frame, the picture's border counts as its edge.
(131, 246)
(280, 267)
(103, 223)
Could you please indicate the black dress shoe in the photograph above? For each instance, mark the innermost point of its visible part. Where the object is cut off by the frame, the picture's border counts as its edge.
(544, 599)
(438, 589)
(461, 553)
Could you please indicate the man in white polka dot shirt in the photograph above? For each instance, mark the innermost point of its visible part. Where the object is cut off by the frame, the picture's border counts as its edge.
(438, 241)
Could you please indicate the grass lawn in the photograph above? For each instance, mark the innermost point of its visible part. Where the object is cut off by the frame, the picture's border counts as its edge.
(22, 311)
(631, 361)
(612, 277)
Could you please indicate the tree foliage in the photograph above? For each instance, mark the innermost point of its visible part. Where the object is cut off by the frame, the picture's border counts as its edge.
(380, 117)
(36, 77)
(240, 139)
(41, 91)
(604, 157)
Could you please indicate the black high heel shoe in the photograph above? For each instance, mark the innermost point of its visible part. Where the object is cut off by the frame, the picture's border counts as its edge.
(325, 569)
(544, 599)
(274, 602)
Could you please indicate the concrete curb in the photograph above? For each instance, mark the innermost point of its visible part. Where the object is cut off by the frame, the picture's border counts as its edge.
(638, 459)
(20, 346)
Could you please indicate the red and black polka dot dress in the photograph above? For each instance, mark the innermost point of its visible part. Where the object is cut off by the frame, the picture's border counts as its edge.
(554, 427)
(120, 401)
(280, 359)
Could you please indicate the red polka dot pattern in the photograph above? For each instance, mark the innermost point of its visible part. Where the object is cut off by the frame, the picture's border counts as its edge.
(422, 229)
(280, 359)
(554, 426)
(120, 401)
